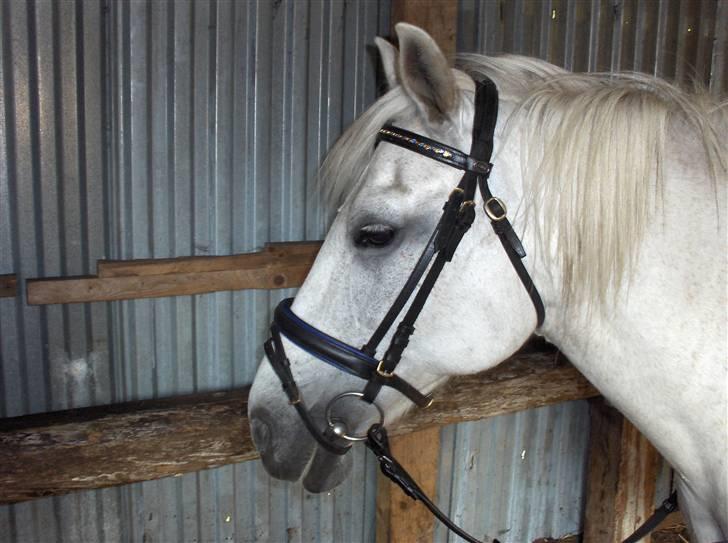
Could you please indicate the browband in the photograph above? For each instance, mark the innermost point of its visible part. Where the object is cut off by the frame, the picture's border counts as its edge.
(432, 149)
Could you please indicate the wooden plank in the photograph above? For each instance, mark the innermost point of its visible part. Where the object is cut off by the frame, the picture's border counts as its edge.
(623, 469)
(8, 286)
(104, 289)
(56, 453)
(272, 254)
(398, 517)
(280, 265)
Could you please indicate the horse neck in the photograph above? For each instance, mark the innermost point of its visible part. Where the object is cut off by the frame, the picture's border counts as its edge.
(659, 347)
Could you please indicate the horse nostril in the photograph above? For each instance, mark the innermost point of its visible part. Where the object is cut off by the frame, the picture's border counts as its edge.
(261, 434)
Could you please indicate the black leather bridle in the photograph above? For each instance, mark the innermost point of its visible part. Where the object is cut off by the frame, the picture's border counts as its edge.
(457, 217)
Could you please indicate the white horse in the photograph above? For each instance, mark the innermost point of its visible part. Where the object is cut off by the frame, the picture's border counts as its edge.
(617, 187)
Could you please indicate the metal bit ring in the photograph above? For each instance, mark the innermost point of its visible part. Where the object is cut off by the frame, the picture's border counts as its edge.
(338, 427)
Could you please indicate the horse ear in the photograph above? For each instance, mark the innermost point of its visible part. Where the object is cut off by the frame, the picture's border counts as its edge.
(389, 54)
(425, 73)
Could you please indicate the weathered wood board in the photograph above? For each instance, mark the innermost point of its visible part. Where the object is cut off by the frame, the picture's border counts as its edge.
(277, 266)
(56, 453)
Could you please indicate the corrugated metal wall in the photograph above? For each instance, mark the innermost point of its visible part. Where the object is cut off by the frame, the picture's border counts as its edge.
(156, 129)
(681, 40)
(516, 477)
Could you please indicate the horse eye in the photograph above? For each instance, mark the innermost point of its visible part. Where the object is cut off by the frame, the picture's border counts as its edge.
(374, 235)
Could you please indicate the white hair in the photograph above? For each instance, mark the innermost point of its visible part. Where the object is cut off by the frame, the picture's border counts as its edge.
(592, 146)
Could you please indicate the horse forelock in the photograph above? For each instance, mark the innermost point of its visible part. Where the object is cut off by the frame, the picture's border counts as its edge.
(593, 149)
(346, 163)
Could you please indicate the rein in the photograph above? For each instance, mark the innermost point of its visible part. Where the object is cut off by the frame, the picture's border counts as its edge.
(457, 217)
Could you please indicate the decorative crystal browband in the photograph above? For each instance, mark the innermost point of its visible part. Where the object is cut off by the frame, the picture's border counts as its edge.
(426, 146)
(432, 149)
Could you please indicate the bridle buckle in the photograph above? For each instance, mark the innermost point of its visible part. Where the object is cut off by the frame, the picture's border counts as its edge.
(493, 215)
(382, 372)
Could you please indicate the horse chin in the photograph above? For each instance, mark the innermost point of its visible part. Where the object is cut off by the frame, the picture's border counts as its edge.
(293, 454)
(326, 471)
(282, 458)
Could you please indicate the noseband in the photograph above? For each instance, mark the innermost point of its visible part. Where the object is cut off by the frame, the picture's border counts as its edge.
(457, 217)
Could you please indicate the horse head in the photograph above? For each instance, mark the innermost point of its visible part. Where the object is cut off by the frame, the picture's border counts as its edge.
(477, 314)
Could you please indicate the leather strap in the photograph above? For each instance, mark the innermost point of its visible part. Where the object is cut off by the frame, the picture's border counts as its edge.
(337, 353)
(457, 219)
(458, 216)
(370, 348)
(667, 507)
(378, 442)
(496, 212)
(435, 150)
(278, 360)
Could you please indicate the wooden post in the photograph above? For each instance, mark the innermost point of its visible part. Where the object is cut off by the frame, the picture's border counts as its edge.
(439, 18)
(399, 518)
(622, 475)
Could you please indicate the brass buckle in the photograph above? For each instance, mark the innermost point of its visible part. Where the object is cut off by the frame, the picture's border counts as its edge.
(492, 216)
(384, 373)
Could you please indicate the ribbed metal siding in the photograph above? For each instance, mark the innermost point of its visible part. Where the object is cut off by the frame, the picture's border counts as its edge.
(52, 201)
(53, 179)
(680, 40)
(155, 129)
(516, 477)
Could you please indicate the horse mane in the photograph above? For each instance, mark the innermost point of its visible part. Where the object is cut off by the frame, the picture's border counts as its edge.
(592, 149)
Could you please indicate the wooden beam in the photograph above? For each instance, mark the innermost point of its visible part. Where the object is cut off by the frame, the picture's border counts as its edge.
(272, 254)
(56, 453)
(623, 469)
(8, 286)
(398, 517)
(278, 266)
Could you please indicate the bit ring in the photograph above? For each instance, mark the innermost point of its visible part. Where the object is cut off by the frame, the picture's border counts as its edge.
(331, 422)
